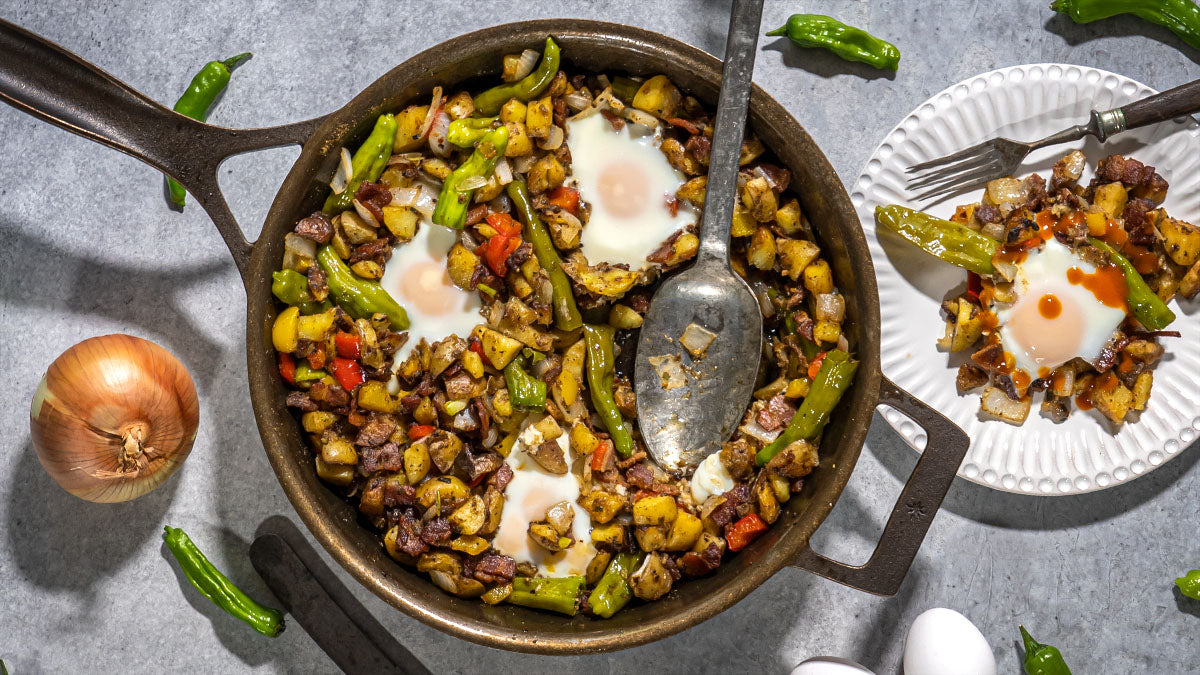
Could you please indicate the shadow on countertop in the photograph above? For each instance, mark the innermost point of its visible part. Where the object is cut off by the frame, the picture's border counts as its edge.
(1118, 26)
(821, 62)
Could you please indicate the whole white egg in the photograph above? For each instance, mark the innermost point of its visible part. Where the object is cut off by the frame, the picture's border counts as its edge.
(830, 665)
(943, 642)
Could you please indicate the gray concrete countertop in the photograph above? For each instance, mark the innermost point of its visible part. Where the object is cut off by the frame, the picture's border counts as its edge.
(89, 248)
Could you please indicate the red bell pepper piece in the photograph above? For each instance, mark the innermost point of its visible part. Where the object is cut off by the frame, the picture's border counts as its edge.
(348, 373)
(740, 534)
(419, 431)
(600, 455)
(476, 346)
(287, 367)
(349, 345)
(496, 251)
(504, 224)
(974, 286)
(814, 366)
(565, 198)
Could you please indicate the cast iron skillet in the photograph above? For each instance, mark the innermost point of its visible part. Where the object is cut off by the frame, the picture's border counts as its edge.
(59, 87)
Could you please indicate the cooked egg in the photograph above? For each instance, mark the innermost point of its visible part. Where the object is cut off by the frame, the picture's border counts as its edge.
(943, 642)
(1064, 309)
(416, 277)
(628, 182)
(531, 492)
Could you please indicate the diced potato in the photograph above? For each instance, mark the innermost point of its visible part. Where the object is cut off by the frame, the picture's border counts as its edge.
(539, 117)
(565, 229)
(780, 486)
(651, 537)
(795, 255)
(316, 327)
(497, 347)
(570, 381)
(444, 448)
(449, 489)
(967, 329)
(495, 509)
(338, 242)
(1141, 390)
(693, 191)
(1180, 240)
(548, 538)
(994, 401)
(436, 167)
(752, 149)
(284, 333)
(761, 251)
(827, 331)
(317, 421)
(546, 174)
(623, 317)
(651, 581)
(583, 441)
(548, 428)
(299, 253)
(401, 221)
(1114, 403)
(597, 567)
(1111, 198)
(679, 157)
(339, 450)
(659, 97)
(337, 474)
(601, 279)
(601, 506)
(519, 142)
(609, 535)
(684, 532)
(439, 561)
(408, 128)
(818, 278)
(660, 510)
(416, 463)
(472, 363)
(1097, 223)
(470, 517)
(368, 269)
(425, 412)
(684, 248)
(512, 111)
(790, 218)
(497, 594)
(744, 224)
(470, 544)
(459, 106)
(356, 230)
(460, 264)
(389, 543)
(1190, 282)
(759, 199)
(768, 504)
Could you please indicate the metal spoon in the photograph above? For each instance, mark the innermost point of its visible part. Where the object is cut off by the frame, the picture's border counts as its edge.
(684, 424)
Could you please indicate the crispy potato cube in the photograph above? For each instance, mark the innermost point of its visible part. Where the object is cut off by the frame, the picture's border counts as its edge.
(1097, 223)
(368, 269)
(356, 230)
(651, 537)
(408, 128)
(995, 402)
(609, 535)
(660, 510)
(600, 279)
(448, 489)
(461, 263)
(827, 331)
(317, 421)
(546, 174)
(651, 581)
(439, 561)
(284, 333)
(373, 395)
(436, 167)
(1115, 403)
(1180, 240)
(539, 117)
(472, 363)
(401, 221)
(1111, 198)
(759, 199)
(684, 532)
(601, 506)
(693, 191)
(761, 251)
(659, 97)
(967, 329)
(416, 463)
(789, 218)
(682, 249)
(336, 474)
(818, 278)
(470, 544)
(497, 347)
(795, 255)
(752, 149)
(513, 110)
(744, 224)
(768, 504)
(1190, 283)
(679, 157)
(519, 142)
(459, 106)
(339, 450)
(470, 517)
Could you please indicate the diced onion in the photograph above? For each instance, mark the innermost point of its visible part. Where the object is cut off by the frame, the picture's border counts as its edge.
(1068, 381)
(764, 299)
(435, 107)
(554, 139)
(405, 196)
(753, 430)
(523, 164)
(426, 201)
(365, 213)
(830, 307)
(577, 100)
(472, 183)
(504, 171)
(405, 158)
(766, 175)
(640, 117)
(525, 65)
(584, 114)
(993, 230)
(437, 135)
(608, 101)
(345, 170)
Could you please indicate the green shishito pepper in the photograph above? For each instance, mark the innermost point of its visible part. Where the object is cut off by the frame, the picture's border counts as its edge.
(951, 242)
(848, 42)
(600, 367)
(612, 592)
(524, 390)
(198, 99)
(566, 313)
(306, 373)
(291, 288)
(1181, 17)
(559, 594)
(1147, 307)
(1042, 659)
(367, 164)
(525, 89)
(453, 200)
(468, 131)
(833, 379)
(360, 298)
(217, 587)
(1189, 584)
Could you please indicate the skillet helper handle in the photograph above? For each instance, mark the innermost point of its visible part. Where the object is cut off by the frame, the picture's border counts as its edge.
(918, 502)
(49, 82)
(1163, 106)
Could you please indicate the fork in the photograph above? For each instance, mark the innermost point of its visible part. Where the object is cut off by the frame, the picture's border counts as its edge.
(1002, 156)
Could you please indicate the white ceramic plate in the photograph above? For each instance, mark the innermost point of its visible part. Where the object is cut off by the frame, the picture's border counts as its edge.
(1025, 103)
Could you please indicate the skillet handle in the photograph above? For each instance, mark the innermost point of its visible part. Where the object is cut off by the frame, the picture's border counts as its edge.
(918, 502)
(49, 82)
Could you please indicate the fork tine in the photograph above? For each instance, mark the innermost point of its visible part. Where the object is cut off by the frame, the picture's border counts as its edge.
(952, 157)
(964, 166)
(959, 182)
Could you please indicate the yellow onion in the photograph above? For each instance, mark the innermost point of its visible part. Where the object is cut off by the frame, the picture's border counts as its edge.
(114, 417)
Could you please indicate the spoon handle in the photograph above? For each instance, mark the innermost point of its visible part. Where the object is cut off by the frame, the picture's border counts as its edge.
(729, 129)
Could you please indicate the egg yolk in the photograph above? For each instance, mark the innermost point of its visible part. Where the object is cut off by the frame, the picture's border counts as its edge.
(624, 189)
(1049, 330)
(427, 285)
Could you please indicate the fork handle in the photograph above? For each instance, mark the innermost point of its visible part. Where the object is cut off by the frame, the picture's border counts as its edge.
(1167, 105)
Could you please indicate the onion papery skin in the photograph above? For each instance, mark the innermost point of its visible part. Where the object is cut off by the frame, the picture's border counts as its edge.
(97, 401)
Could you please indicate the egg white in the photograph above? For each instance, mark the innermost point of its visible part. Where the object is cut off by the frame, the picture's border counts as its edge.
(1044, 272)
(628, 227)
(457, 310)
